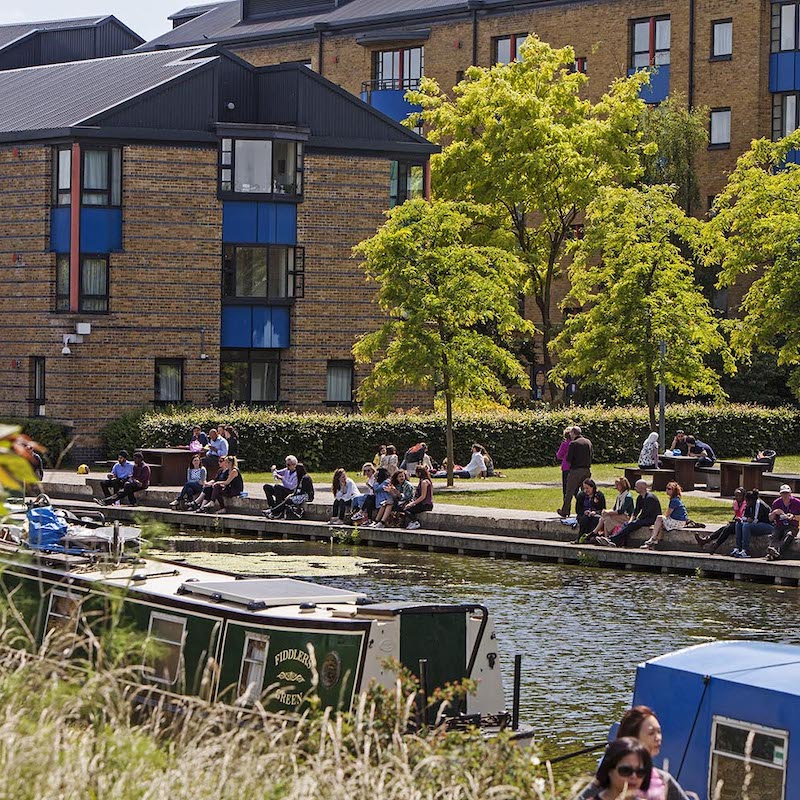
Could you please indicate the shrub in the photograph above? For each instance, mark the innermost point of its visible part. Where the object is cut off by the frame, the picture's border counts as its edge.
(515, 439)
(124, 433)
(53, 435)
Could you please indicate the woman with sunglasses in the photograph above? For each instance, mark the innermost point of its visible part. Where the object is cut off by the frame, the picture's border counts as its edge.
(641, 723)
(624, 772)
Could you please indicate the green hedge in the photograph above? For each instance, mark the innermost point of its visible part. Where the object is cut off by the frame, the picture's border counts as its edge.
(515, 439)
(53, 435)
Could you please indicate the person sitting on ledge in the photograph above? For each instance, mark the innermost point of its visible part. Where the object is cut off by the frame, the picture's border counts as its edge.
(755, 522)
(120, 473)
(645, 513)
(720, 536)
(589, 505)
(196, 476)
(364, 504)
(423, 498)
(611, 520)
(344, 492)
(705, 455)
(675, 518)
(293, 506)
(784, 518)
(230, 485)
(138, 481)
(277, 492)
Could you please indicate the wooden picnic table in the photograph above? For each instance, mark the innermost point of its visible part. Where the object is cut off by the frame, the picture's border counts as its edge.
(684, 469)
(733, 474)
(173, 461)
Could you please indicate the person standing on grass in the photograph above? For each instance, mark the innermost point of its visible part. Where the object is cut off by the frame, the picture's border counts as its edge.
(579, 456)
(561, 455)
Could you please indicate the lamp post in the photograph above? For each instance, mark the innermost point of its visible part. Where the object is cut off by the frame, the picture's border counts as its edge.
(662, 397)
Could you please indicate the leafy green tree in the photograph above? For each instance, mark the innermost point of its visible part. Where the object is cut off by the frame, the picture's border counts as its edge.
(445, 285)
(636, 286)
(756, 231)
(679, 133)
(523, 139)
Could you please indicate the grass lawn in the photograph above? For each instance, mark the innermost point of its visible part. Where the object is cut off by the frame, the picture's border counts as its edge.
(548, 500)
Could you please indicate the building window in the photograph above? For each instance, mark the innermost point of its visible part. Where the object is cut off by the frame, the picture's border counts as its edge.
(506, 49)
(102, 177)
(407, 182)
(340, 383)
(720, 128)
(581, 65)
(398, 69)
(743, 753)
(266, 273)
(169, 380)
(784, 114)
(37, 386)
(254, 660)
(62, 176)
(92, 285)
(784, 26)
(722, 39)
(261, 166)
(249, 376)
(164, 647)
(650, 42)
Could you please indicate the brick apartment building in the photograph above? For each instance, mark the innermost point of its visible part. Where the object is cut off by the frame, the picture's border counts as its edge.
(177, 226)
(741, 58)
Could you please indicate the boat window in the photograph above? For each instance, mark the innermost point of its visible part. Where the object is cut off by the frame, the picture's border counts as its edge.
(62, 614)
(164, 648)
(254, 659)
(747, 760)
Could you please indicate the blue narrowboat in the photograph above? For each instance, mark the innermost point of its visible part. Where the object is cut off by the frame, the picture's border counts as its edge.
(730, 715)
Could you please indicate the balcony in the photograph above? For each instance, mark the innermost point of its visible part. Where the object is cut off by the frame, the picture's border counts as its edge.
(658, 90)
(388, 95)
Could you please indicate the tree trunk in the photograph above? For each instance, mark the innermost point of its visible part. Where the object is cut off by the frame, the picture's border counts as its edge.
(448, 433)
(650, 387)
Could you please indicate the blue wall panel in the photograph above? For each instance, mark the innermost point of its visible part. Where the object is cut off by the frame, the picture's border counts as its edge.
(237, 322)
(101, 230)
(59, 229)
(784, 72)
(658, 90)
(259, 327)
(391, 102)
(259, 223)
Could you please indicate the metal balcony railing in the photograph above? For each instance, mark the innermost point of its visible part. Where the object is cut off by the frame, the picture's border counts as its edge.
(389, 84)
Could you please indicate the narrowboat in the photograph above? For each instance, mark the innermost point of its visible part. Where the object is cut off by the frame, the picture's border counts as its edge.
(730, 715)
(241, 640)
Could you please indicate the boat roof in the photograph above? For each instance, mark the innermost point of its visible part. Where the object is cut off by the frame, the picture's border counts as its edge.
(764, 665)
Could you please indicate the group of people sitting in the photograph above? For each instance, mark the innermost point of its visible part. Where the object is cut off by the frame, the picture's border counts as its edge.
(205, 495)
(627, 768)
(220, 441)
(480, 464)
(683, 444)
(125, 480)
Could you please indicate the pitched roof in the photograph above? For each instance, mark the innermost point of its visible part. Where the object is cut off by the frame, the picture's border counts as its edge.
(221, 22)
(17, 30)
(193, 11)
(56, 96)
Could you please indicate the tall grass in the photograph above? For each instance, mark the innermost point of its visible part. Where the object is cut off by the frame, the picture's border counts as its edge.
(72, 730)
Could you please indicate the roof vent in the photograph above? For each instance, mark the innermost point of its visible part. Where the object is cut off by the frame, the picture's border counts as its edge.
(256, 10)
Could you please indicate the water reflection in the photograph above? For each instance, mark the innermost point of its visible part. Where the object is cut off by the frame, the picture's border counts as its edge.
(581, 631)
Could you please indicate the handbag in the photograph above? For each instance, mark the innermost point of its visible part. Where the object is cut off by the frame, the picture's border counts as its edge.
(298, 499)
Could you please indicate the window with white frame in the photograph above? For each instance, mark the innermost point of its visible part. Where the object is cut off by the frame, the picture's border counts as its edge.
(747, 755)
(720, 135)
(722, 39)
(650, 42)
(506, 49)
(251, 676)
(164, 647)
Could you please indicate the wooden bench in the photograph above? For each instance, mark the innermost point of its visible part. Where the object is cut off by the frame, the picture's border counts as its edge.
(661, 477)
(774, 480)
(708, 475)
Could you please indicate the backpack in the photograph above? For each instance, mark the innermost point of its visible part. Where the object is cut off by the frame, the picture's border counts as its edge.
(414, 453)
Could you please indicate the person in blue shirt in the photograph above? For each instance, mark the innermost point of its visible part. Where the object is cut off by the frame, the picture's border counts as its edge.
(675, 518)
(118, 476)
(706, 457)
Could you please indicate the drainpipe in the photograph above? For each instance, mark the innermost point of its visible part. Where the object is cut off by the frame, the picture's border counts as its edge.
(690, 94)
(75, 228)
(320, 28)
(474, 6)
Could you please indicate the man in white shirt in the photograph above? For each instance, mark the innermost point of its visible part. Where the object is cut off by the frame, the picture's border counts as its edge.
(476, 467)
(278, 492)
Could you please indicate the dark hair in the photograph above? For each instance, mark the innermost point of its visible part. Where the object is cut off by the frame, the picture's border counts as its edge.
(301, 472)
(337, 483)
(138, 454)
(739, 490)
(122, 453)
(381, 474)
(396, 477)
(423, 472)
(390, 449)
(232, 431)
(752, 494)
(615, 752)
(590, 482)
(632, 719)
(690, 440)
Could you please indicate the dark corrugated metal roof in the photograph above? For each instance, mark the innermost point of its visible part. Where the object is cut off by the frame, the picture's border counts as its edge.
(14, 31)
(64, 95)
(193, 11)
(222, 23)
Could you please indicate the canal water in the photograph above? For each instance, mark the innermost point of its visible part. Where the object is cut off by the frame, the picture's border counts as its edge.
(580, 630)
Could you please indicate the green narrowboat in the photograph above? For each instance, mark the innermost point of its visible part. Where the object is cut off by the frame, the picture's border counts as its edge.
(277, 640)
